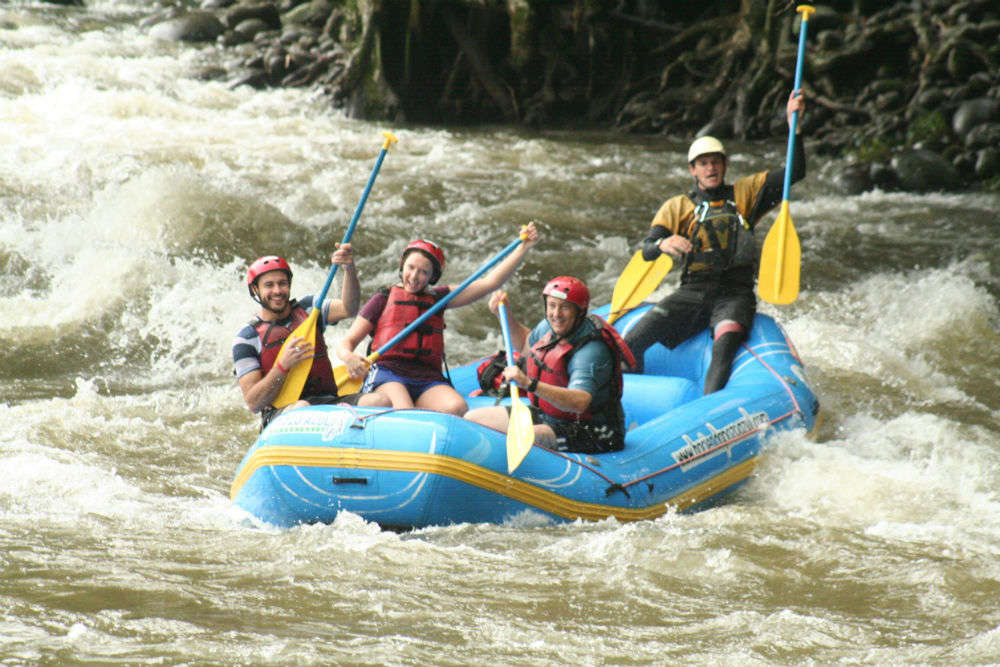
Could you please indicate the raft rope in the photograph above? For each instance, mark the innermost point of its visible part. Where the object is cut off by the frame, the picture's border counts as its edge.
(360, 419)
(784, 383)
(623, 486)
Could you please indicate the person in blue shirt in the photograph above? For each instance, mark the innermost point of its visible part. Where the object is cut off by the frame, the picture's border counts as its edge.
(573, 373)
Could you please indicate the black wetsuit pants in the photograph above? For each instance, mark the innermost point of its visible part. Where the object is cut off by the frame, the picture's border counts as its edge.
(690, 309)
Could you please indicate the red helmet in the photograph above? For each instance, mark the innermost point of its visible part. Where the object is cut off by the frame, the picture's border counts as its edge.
(570, 289)
(431, 251)
(264, 264)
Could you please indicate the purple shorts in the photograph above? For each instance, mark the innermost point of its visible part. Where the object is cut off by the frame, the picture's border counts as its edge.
(415, 386)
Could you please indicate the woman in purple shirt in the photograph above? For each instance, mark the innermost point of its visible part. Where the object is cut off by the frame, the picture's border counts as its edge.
(409, 374)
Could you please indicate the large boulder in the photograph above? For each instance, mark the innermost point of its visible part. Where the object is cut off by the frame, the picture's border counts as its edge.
(313, 14)
(972, 113)
(266, 12)
(194, 26)
(983, 135)
(852, 179)
(988, 163)
(922, 170)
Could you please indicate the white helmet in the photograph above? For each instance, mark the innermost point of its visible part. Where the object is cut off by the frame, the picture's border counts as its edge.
(703, 146)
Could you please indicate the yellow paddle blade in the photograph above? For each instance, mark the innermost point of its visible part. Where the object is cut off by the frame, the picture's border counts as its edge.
(520, 431)
(346, 385)
(296, 379)
(636, 282)
(778, 280)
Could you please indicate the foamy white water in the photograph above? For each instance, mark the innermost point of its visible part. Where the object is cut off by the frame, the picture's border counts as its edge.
(132, 197)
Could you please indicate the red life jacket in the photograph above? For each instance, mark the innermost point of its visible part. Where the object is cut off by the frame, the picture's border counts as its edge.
(425, 344)
(549, 362)
(272, 336)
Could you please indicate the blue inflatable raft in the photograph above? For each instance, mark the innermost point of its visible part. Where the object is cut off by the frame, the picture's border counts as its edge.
(413, 468)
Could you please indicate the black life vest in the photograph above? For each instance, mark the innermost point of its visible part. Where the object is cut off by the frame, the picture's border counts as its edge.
(489, 372)
(426, 343)
(320, 380)
(722, 237)
(549, 359)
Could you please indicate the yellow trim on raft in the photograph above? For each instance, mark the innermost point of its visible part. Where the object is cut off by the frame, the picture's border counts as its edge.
(483, 478)
(814, 431)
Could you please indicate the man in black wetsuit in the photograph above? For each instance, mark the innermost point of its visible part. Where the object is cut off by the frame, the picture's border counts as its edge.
(709, 231)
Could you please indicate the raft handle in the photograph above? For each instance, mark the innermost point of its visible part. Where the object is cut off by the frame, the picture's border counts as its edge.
(616, 487)
(349, 480)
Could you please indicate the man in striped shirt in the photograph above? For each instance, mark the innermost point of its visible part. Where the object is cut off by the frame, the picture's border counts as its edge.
(260, 358)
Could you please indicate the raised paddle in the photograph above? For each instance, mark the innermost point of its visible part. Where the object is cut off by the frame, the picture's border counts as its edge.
(520, 430)
(348, 385)
(296, 378)
(780, 258)
(636, 282)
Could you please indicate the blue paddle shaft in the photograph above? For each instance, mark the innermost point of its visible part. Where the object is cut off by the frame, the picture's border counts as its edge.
(447, 298)
(505, 327)
(350, 228)
(790, 155)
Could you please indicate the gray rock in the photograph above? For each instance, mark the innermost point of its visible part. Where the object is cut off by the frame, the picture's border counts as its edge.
(882, 175)
(988, 162)
(924, 171)
(231, 38)
(983, 135)
(263, 11)
(250, 27)
(930, 98)
(211, 73)
(965, 163)
(159, 16)
(194, 26)
(314, 13)
(972, 113)
(853, 179)
(254, 79)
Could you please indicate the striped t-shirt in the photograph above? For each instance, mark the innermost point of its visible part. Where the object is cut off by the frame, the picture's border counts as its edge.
(247, 343)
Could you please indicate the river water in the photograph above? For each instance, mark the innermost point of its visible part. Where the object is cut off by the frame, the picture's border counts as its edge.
(132, 196)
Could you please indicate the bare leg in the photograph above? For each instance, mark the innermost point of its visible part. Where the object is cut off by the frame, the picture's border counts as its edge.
(498, 419)
(374, 400)
(443, 398)
(291, 406)
(494, 417)
(396, 393)
(544, 435)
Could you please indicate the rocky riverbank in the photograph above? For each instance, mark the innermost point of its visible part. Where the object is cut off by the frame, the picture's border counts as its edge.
(909, 93)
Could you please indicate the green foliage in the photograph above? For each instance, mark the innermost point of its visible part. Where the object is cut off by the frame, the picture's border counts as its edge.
(872, 150)
(930, 126)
